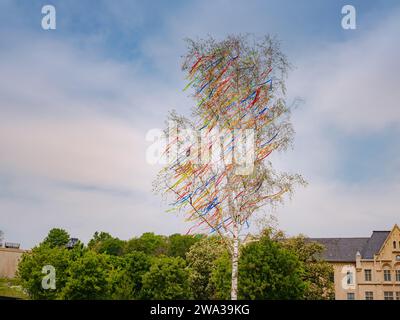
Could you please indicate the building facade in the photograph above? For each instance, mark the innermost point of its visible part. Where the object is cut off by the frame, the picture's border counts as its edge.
(9, 258)
(365, 268)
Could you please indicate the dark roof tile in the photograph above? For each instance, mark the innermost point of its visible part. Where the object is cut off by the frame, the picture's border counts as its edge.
(345, 249)
(374, 244)
(341, 249)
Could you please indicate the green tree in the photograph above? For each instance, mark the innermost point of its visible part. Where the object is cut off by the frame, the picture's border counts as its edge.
(97, 238)
(87, 277)
(201, 260)
(103, 242)
(269, 271)
(317, 272)
(149, 243)
(220, 279)
(136, 265)
(167, 279)
(179, 245)
(120, 282)
(56, 238)
(31, 265)
(126, 275)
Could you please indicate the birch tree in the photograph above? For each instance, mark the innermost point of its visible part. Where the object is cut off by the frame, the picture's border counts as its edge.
(218, 170)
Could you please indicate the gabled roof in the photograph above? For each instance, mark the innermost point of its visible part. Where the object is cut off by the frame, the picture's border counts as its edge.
(374, 244)
(345, 249)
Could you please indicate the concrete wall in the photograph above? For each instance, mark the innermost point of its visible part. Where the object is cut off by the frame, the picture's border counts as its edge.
(9, 259)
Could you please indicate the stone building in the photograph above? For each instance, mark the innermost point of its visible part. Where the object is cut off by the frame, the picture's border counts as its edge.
(365, 268)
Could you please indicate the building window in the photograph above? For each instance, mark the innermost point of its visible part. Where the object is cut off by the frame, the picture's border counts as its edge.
(398, 295)
(387, 276)
(397, 258)
(388, 295)
(394, 244)
(368, 275)
(350, 296)
(398, 275)
(369, 295)
(350, 279)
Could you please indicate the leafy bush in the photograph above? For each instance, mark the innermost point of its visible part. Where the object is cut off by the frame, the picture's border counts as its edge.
(87, 277)
(167, 279)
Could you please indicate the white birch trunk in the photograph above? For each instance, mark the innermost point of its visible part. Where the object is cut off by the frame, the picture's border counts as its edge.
(235, 260)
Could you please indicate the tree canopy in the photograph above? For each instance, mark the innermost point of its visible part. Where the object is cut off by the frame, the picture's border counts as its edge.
(176, 267)
(167, 279)
(103, 242)
(56, 238)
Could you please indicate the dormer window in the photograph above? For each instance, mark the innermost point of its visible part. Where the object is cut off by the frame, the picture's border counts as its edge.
(394, 244)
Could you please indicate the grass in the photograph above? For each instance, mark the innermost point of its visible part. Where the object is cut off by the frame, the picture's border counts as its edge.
(10, 288)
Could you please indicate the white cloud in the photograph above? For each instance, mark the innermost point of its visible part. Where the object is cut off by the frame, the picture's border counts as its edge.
(90, 151)
(28, 220)
(330, 209)
(350, 90)
(353, 84)
(72, 139)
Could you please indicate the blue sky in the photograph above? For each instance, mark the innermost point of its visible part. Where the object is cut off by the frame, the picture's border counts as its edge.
(76, 103)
